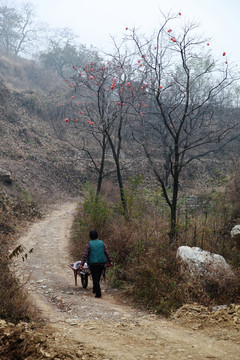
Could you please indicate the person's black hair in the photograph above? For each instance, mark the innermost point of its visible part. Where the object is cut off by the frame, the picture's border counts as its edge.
(93, 235)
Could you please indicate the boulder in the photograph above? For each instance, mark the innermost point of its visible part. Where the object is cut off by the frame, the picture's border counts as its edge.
(235, 235)
(235, 232)
(203, 265)
(6, 176)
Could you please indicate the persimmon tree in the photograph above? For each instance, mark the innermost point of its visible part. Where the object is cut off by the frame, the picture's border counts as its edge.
(107, 98)
(79, 132)
(182, 87)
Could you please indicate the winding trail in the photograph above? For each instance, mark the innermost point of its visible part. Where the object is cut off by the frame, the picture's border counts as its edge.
(103, 328)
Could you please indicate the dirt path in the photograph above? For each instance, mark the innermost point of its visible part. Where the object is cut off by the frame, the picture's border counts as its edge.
(104, 328)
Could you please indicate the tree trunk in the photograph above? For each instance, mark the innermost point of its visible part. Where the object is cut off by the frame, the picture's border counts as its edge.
(173, 227)
(119, 177)
(101, 170)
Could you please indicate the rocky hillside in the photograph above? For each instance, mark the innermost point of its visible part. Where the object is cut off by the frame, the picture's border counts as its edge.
(32, 158)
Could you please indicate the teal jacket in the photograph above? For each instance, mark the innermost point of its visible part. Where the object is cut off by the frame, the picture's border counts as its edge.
(96, 252)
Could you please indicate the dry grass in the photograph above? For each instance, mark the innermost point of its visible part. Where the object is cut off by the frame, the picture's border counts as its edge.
(14, 305)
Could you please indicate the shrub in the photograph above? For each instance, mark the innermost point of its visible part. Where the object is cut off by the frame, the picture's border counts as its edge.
(96, 209)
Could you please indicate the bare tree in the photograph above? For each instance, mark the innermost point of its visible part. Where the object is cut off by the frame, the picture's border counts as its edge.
(62, 52)
(181, 85)
(18, 32)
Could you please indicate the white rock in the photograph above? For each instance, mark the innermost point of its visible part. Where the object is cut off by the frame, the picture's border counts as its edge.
(235, 233)
(203, 264)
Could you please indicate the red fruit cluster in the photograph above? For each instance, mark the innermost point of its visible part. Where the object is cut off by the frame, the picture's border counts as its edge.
(113, 84)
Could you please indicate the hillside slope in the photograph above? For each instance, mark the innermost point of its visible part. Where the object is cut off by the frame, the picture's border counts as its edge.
(40, 163)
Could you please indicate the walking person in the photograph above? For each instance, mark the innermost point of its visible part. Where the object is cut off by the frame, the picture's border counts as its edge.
(96, 254)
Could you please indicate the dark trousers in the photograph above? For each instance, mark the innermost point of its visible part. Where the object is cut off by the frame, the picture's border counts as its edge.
(96, 271)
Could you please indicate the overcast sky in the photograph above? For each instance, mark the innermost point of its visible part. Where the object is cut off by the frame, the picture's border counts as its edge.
(95, 20)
